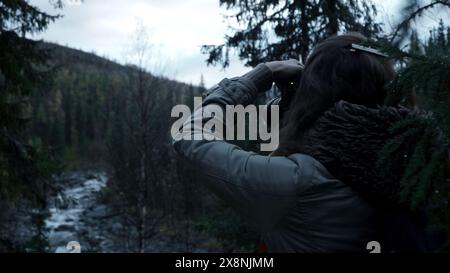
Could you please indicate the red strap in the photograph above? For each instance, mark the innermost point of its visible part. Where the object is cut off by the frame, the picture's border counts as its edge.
(262, 247)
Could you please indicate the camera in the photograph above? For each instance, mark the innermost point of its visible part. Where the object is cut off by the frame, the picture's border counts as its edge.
(282, 94)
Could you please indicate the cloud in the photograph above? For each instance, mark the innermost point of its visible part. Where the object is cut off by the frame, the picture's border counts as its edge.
(177, 27)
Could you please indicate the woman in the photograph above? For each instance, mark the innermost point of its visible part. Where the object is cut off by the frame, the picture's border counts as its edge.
(293, 196)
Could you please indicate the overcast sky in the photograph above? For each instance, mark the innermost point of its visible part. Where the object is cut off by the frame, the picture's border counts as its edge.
(177, 29)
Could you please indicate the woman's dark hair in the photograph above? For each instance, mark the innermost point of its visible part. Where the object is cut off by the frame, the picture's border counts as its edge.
(332, 73)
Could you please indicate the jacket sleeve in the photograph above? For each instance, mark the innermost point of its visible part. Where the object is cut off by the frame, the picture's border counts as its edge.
(262, 188)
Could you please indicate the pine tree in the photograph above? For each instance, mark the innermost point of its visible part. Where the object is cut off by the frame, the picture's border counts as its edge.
(414, 46)
(79, 124)
(411, 12)
(202, 82)
(24, 168)
(448, 38)
(441, 39)
(420, 151)
(67, 102)
(288, 29)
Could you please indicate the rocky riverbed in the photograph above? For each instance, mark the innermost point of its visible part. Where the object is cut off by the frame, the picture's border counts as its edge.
(78, 217)
(67, 211)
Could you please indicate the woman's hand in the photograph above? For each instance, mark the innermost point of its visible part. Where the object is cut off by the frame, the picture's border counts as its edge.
(285, 70)
(280, 72)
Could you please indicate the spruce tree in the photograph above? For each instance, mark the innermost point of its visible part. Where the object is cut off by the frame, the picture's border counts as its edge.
(288, 29)
(419, 151)
(24, 167)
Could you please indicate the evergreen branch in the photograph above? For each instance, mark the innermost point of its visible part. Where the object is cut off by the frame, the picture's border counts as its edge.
(405, 23)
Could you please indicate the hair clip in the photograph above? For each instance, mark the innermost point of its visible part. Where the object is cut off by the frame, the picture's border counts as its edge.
(369, 50)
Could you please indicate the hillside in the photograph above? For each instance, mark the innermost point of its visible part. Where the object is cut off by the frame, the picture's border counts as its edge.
(73, 113)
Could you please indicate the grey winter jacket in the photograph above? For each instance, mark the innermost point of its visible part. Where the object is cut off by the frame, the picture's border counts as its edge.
(296, 204)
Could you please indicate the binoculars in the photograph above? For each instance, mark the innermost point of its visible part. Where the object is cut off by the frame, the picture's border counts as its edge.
(282, 93)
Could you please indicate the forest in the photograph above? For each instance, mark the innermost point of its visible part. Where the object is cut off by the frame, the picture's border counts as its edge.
(85, 148)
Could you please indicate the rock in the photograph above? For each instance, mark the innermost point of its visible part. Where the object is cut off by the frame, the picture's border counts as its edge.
(65, 228)
(99, 211)
(61, 238)
(79, 219)
(116, 227)
(90, 177)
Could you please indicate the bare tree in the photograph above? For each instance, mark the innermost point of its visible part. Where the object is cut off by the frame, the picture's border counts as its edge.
(135, 151)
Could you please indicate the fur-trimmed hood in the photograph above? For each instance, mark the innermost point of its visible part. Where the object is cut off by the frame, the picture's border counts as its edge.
(396, 158)
(348, 138)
